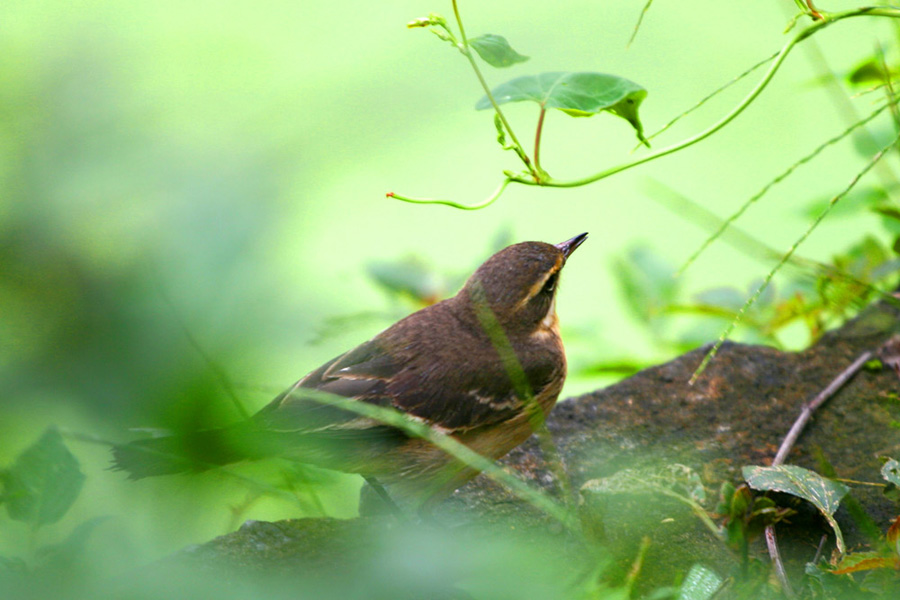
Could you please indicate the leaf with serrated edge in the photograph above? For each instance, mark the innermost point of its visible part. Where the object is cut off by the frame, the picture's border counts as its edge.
(576, 94)
(824, 493)
(496, 51)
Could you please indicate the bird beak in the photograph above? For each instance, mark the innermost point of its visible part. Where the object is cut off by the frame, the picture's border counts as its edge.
(569, 246)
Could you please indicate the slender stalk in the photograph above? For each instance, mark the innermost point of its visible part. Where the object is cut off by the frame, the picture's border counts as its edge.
(637, 25)
(537, 138)
(779, 59)
(813, 12)
(536, 177)
(790, 439)
(775, 555)
(781, 177)
(787, 256)
(706, 99)
(490, 199)
(467, 52)
(810, 407)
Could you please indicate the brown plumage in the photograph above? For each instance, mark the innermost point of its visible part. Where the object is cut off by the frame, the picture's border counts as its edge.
(443, 365)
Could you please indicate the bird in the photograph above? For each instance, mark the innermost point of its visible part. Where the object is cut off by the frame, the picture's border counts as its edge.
(483, 367)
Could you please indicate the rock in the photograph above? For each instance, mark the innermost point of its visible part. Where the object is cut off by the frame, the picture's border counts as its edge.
(736, 414)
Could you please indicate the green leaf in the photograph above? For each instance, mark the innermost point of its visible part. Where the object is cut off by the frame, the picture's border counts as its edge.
(824, 493)
(576, 94)
(43, 482)
(869, 72)
(496, 51)
(891, 471)
(700, 583)
(678, 478)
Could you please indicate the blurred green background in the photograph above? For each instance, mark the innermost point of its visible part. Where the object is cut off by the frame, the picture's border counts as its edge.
(191, 182)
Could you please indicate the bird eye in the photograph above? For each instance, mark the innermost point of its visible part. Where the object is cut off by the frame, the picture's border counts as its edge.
(550, 285)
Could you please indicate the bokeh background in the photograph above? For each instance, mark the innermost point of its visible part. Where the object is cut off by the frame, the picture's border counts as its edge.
(193, 193)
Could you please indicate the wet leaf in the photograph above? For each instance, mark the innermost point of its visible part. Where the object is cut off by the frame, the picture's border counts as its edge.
(824, 494)
(496, 51)
(576, 94)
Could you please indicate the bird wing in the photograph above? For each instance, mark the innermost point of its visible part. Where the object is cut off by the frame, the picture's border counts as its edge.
(453, 399)
(467, 398)
(361, 374)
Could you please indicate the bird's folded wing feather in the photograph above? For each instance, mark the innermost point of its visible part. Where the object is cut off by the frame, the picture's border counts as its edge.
(452, 402)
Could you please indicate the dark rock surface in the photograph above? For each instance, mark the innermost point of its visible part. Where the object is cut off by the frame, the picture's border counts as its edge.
(735, 415)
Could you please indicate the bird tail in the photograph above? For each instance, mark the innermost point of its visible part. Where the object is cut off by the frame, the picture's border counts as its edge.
(193, 452)
(343, 450)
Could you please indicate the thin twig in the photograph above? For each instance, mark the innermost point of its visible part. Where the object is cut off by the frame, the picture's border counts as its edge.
(819, 549)
(790, 439)
(810, 407)
(467, 52)
(772, 544)
(487, 202)
(637, 25)
(784, 259)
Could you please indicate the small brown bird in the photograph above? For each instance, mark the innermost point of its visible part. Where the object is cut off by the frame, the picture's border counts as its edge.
(457, 366)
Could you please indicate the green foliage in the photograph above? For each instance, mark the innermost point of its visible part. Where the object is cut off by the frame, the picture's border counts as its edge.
(496, 51)
(576, 94)
(39, 488)
(824, 494)
(817, 297)
(675, 481)
(745, 515)
(43, 482)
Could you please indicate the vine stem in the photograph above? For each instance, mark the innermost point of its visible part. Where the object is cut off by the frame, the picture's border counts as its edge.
(790, 439)
(778, 179)
(537, 138)
(490, 199)
(779, 59)
(467, 52)
(539, 179)
(786, 257)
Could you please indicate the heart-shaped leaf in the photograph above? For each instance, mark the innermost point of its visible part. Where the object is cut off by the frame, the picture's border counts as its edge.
(576, 94)
(824, 493)
(496, 51)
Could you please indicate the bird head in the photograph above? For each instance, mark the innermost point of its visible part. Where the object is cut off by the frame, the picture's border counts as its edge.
(519, 283)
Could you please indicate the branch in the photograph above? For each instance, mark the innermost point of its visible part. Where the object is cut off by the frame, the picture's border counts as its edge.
(791, 438)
